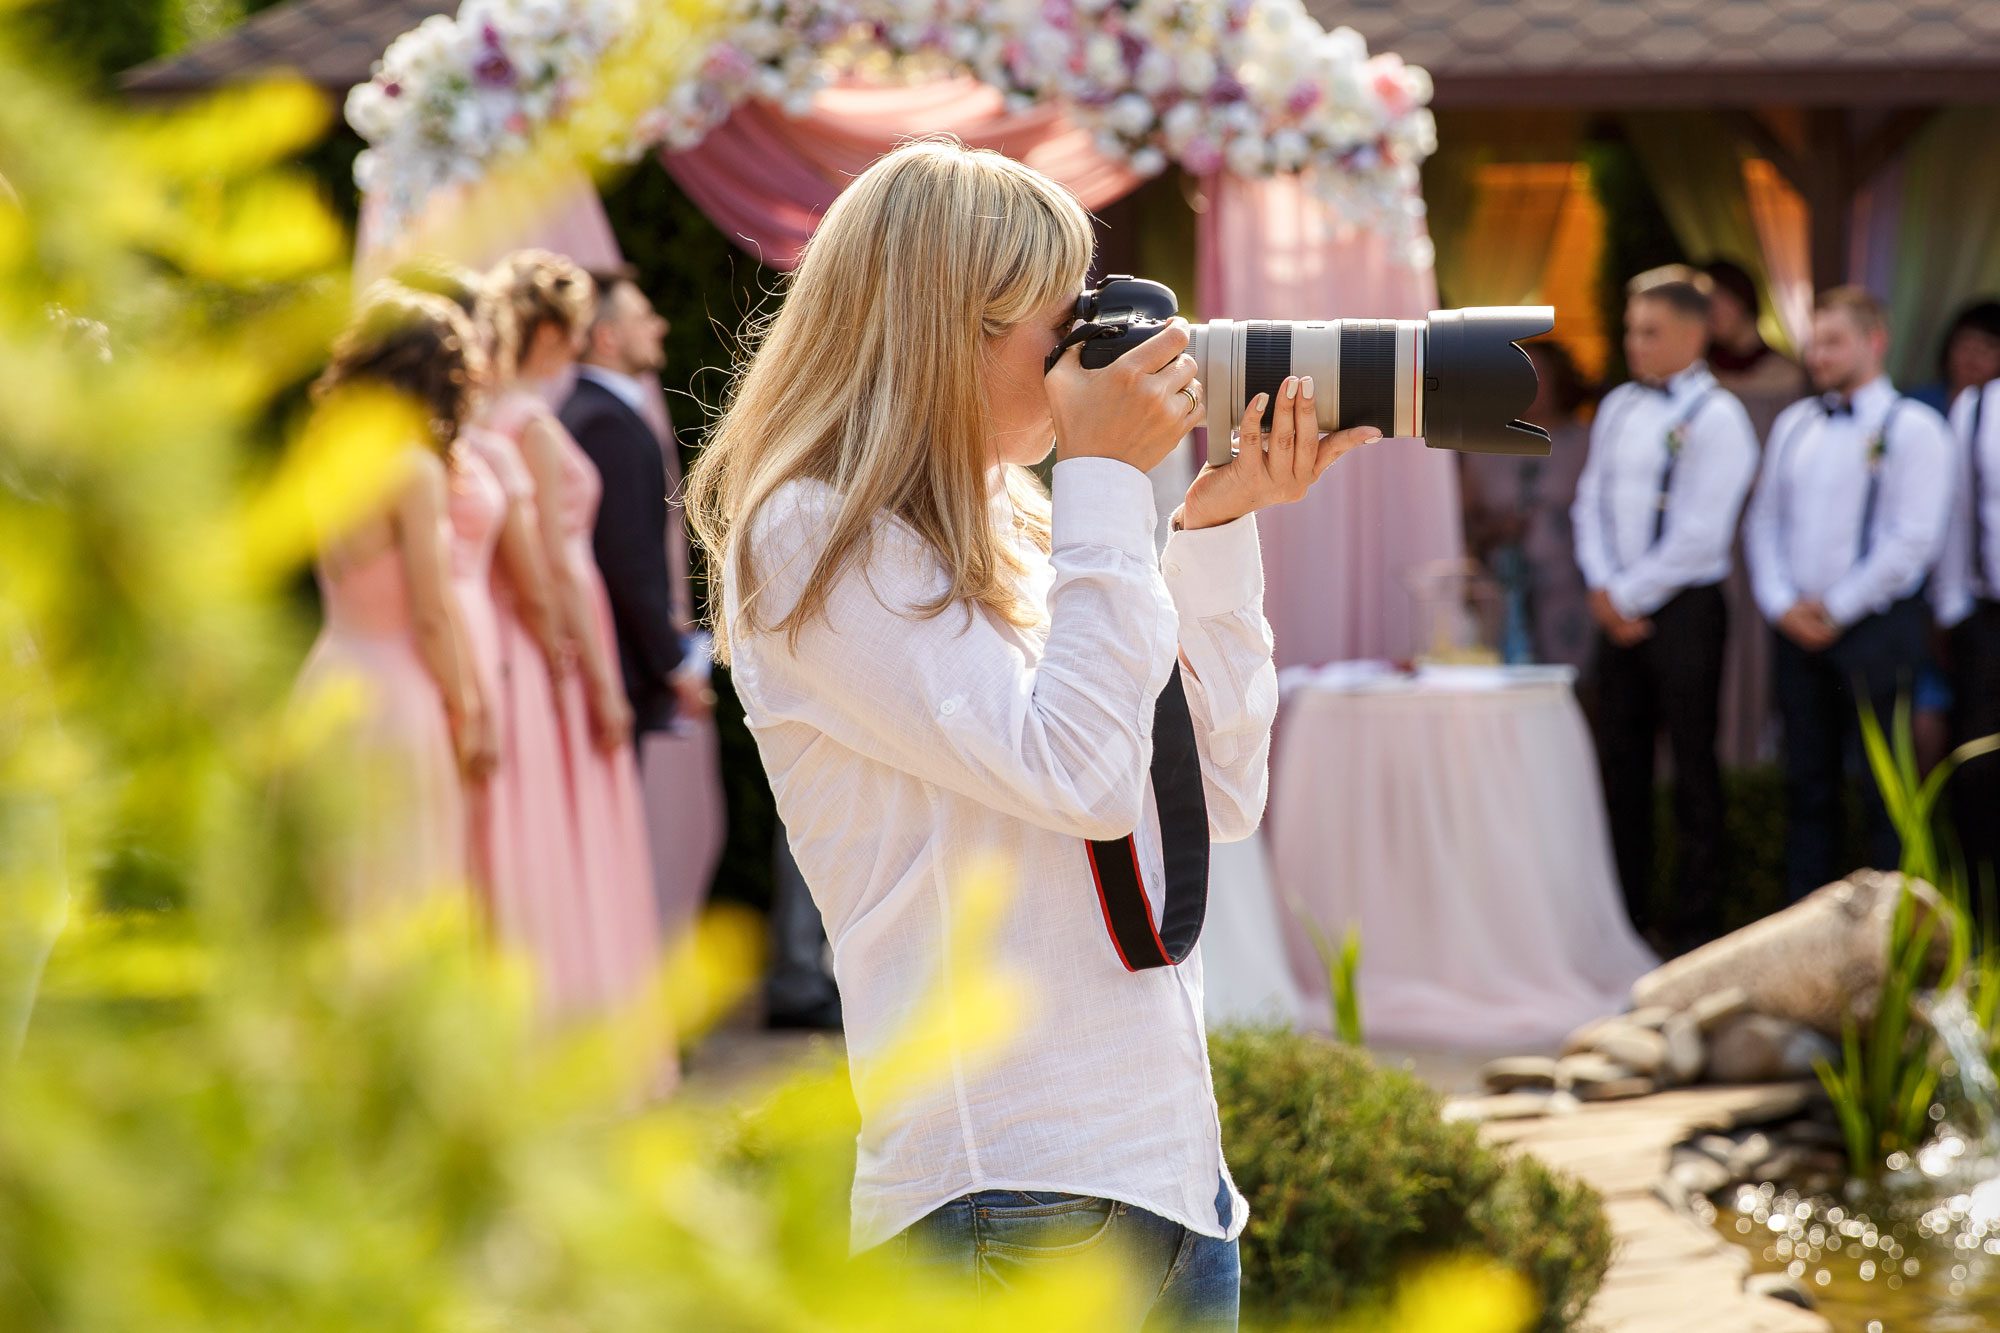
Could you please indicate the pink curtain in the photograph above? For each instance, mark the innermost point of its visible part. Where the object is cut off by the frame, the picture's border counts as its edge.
(765, 178)
(1335, 563)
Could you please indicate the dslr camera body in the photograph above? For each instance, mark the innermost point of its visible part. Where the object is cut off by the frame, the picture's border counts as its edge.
(1456, 380)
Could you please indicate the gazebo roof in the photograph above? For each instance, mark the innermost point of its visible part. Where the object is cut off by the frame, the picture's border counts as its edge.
(1598, 53)
(1634, 53)
(331, 43)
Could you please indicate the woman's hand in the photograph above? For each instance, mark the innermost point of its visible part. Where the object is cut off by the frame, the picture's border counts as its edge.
(610, 716)
(1133, 410)
(1274, 470)
(476, 741)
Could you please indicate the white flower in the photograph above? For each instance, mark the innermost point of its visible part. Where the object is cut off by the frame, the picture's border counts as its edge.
(1149, 161)
(1246, 157)
(1103, 60)
(1156, 72)
(1180, 122)
(1129, 114)
(1197, 70)
(1289, 150)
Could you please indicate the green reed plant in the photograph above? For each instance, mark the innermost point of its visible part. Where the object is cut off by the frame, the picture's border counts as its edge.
(1887, 1080)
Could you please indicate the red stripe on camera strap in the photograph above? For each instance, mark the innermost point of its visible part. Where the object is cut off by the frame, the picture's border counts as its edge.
(1114, 863)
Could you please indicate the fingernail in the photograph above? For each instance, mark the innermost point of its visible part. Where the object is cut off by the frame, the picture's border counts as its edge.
(1372, 436)
(1306, 386)
(1259, 403)
(1291, 387)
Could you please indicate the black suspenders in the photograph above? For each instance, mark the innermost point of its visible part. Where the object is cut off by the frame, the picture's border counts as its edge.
(1979, 584)
(1784, 449)
(1673, 457)
(1183, 807)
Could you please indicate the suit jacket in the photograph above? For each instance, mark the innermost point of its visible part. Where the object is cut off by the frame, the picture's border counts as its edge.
(630, 542)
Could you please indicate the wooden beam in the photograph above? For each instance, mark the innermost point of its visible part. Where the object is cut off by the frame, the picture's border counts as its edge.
(1764, 141)
(1828, 189)
(1890, 138)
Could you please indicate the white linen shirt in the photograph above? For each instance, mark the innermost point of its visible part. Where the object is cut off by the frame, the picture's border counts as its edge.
(1963, 574)
(1803, 535)
(1618, 499)
(904, 751)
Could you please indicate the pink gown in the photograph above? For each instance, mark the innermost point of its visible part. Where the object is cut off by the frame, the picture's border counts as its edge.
(535, 897)
(614, 859)
(478, 505)
(399, 831)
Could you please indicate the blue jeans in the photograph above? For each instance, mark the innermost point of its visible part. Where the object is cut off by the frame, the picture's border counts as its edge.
(993, 1237)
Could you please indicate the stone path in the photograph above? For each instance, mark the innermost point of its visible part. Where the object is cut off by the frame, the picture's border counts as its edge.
(1670, 1274)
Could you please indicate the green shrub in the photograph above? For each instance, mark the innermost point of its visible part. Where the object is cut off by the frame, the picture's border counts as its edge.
(1353, 1177)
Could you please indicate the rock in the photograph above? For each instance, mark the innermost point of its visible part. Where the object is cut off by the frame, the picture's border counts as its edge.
(1719, 1147)
(1779, 1287)
(1653, 1016)
(1748, 1158)
(1757, 1048)
(1585, 1037)
(1686, 1053)
(1697, 1172)
(1575, 1072)
(1641, 1050)
(1718, 1006)
(1817, 1134)
(1518, 1105)
(1511, 1072)
(1616, 1089)
(1564, 1102)
(1673, 1194)
(1815, 963)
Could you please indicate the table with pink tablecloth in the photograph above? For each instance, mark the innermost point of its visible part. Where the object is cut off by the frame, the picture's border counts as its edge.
(1455, 817)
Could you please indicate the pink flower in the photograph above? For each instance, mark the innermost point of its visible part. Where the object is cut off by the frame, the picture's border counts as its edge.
(1385, 76)
(517, 123)
(1202, 156)
(1304, 98)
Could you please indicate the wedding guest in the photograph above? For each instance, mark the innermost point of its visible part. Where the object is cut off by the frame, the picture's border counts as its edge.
(1763, 379)
(524, 851)
(605, 413)
(1671, 458)
(394, 623)
(1848, 520)
(1517, 522)
(547, 303)
(1969, 356)
(1966, 592)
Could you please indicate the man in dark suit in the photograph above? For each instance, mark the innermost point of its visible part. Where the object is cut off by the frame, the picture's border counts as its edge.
(606, 414)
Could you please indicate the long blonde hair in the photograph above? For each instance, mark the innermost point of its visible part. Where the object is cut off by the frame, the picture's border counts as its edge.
(869, 377)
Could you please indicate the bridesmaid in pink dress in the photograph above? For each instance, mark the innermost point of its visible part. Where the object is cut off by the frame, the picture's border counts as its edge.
(395, 632)
(548, 300)
(524, 837)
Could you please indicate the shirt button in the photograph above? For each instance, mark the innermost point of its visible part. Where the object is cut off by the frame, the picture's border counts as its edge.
(948, 707)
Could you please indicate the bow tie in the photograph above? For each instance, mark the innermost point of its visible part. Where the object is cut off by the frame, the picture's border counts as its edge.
(1836, 406)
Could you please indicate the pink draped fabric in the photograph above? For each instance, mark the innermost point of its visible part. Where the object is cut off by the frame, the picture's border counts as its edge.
(765, 177)
(1335, 563)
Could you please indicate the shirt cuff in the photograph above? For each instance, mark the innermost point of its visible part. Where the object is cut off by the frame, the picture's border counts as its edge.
(1625, 599)
(1214, 571)
(1103, 502)
(1842, 608)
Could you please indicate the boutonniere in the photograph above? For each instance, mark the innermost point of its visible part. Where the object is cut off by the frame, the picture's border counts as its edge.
(1878, 445)
(1677, 439)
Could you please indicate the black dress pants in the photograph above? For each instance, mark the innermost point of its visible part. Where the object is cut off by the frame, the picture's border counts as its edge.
(1819, 702)
(1673, 681)
(1975, 789)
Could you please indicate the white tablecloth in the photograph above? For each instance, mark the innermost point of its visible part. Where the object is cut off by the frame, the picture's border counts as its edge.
(1457, 820)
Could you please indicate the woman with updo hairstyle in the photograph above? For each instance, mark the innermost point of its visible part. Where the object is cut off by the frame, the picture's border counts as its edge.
(540, 310)
(957, 679)
(394, 625)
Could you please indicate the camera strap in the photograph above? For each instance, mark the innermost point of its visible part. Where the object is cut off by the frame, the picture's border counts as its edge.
(1184, 845)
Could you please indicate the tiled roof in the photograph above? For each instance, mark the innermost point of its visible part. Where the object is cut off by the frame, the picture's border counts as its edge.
(1521, 52)
(333, 43)
(1658, 52)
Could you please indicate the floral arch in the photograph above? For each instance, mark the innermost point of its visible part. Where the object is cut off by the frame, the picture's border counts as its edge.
(1253, 88)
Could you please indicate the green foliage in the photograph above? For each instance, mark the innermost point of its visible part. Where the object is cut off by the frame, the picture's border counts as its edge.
(1353, 1176)
(1886, 1084)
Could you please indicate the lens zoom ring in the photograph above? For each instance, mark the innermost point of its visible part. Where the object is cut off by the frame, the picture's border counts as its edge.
(1368, 375)
(1267, 359)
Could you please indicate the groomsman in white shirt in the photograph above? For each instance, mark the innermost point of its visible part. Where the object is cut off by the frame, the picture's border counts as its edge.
(1848, 520)
(1672, 455)
(1966, 593)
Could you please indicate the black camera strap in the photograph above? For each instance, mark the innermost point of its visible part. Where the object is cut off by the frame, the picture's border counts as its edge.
(1114, 863)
